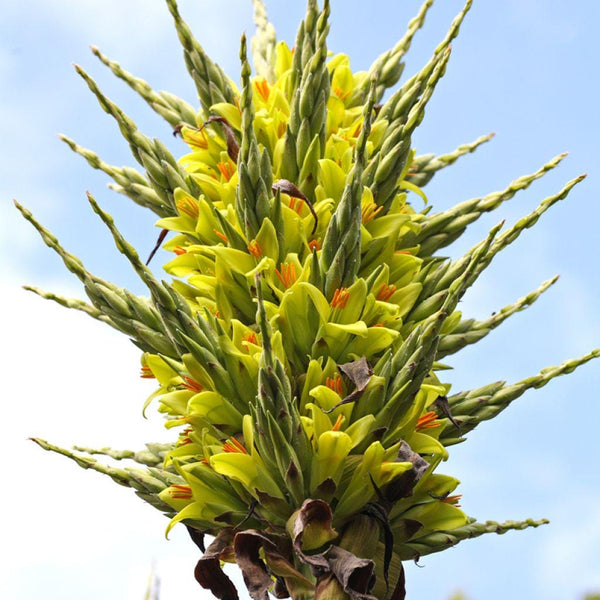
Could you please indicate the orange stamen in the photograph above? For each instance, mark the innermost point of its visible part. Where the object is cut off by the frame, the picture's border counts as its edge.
(334, 383)
(314, 245)
(146, 373)
(255, 249)
(338, 423)
(250, 338)
(184, 438)
(340, 93)
(427, 421)
(262, 87)
(281, 129)
(370, 211)
(188, 206)
(181, 492)
(340, 298)
(385, 292)
(453, 499)
(191, 384)
(233, 445)
(179, 250)
(287, 275)
(221, 235)
(227, 169)
(194, 138)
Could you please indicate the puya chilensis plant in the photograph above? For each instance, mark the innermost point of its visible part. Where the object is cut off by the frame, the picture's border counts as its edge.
(298, 347)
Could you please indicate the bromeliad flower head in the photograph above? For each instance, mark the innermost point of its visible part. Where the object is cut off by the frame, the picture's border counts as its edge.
(297, 350)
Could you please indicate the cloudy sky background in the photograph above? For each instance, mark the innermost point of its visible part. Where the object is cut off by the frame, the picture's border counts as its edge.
(524, 69)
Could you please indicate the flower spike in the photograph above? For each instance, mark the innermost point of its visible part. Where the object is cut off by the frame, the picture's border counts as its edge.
(295, 345)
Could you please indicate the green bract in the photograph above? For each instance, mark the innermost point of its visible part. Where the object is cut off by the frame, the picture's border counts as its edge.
(296, 349)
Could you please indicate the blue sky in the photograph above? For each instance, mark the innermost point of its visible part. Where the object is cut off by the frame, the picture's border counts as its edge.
(525, 69)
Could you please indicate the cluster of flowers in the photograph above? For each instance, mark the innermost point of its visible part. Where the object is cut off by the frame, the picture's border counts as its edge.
(297, 349)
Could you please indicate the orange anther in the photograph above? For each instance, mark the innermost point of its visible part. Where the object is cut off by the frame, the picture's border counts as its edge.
(334, 383)
(370, 211)
(179, 250)
(181, 492)
(255, 249)
(340, 93)
(146, 373)
(233, 445)
(191, 384)
(296, 204)
(195, 138)
(340, 298)
(184, 438)
(221, 235)
(188, 206)
(184, 441)
(385, 292)
(262, 87)
(250, 338)
(338, 423)
(427, 421)
(314, 245)
(287, 275)
(227, 169)
(452, 499)
(281, 129)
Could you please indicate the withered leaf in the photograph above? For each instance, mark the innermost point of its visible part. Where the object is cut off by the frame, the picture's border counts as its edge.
(280, 590)
(287, 187)
(355, 574)
(208, 572)
(161, 236)
(359, 373)
(326, 489)
(379, 512)
(314, 514)
(197, 537)
(441, 402)
(256, 575)
(405, 529)
(403, 486)
(399, 592)
(233, 148)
